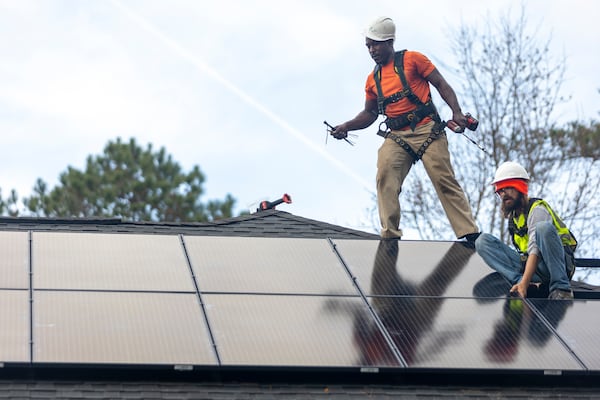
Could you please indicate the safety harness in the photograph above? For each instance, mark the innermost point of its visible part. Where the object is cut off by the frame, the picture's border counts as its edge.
(517, 227)
(411, 118)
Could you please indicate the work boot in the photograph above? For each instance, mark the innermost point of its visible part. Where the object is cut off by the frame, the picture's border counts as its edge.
(469, 239)
(537, 291)
(560, 294)
(472, 237)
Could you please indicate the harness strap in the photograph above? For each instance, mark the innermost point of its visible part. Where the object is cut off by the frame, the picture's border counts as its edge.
(401, 142)
(395, 97)
(414, 117)
(382, 102)
(436, 132)
(399, 68)
(381, 105)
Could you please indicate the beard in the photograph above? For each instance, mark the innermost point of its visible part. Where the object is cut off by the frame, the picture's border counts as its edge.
(515, 204)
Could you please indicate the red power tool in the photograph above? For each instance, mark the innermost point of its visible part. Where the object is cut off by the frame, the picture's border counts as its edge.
(471, 125)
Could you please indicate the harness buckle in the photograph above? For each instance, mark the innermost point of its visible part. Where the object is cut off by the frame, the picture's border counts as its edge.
(384, 130)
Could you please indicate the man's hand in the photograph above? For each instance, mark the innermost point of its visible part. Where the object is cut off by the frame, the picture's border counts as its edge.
(460, 119)
(520, 289)
(339, 132)
(530, 267)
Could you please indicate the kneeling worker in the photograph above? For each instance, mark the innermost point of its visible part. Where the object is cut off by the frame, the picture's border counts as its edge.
(544, 244)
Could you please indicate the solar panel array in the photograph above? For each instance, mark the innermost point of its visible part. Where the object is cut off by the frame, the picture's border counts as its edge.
(216, 302)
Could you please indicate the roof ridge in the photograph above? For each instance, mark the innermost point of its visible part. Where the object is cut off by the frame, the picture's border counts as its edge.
(54, 220)
(266, 223)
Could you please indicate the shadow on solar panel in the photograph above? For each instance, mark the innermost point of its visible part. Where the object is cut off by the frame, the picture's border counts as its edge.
(405, 310)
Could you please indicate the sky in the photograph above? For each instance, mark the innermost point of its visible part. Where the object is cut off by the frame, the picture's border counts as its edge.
(240, 89)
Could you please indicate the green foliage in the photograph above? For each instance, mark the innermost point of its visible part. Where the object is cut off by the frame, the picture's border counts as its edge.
(578, 140)
(9, 206)
(129, 182)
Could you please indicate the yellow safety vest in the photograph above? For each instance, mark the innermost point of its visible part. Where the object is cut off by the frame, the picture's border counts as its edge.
(517, 226)
(521, 237)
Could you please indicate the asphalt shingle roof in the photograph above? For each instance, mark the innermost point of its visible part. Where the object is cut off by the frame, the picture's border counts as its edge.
(80, 390)
(269, 223)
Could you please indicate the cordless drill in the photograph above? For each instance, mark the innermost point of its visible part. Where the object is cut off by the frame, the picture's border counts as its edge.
(471, 125)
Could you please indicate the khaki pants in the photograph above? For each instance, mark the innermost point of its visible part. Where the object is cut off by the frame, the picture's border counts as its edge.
(393, 165)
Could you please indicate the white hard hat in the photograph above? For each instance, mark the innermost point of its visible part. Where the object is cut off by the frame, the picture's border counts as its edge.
(381, 29)
(510, 170)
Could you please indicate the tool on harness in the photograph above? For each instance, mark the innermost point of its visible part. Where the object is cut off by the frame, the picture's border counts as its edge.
(331, 129)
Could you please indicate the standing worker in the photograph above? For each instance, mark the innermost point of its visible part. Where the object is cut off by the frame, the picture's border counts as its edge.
(399, 89)
(544, 244)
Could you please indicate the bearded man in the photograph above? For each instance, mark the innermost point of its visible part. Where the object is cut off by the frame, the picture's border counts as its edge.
(545, 246)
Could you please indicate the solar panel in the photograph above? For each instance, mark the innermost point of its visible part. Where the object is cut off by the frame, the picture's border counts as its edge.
(14, 323)
(576, 323)
(120, 328)
(432, 332)
(153, 299)
(307, 331)
(14, 262)
(85, 261)
(417, 268)
(440, 307)
(267, 265)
